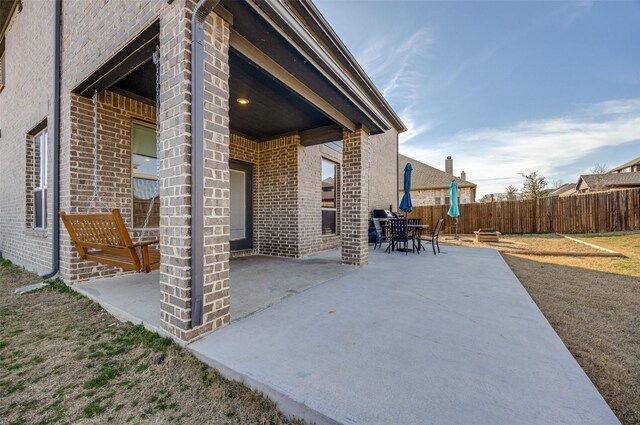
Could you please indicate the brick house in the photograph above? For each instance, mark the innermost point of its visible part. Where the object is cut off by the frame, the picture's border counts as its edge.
(430, 186)
(631, 166)
(283, 124)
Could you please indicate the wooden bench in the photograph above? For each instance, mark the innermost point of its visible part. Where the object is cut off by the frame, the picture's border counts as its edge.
(487, 235)
(104, 238)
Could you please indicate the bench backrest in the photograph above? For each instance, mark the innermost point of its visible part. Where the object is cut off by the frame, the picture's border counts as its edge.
(97, 231)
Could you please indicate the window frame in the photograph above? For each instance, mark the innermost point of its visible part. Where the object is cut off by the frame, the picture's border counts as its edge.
(41, 171)
(138, 175)
(335, 200)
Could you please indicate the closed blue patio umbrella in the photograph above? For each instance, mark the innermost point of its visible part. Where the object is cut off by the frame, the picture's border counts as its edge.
(405, 204)
(453, 209)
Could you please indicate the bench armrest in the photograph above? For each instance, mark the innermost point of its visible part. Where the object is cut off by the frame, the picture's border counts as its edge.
(146, 243)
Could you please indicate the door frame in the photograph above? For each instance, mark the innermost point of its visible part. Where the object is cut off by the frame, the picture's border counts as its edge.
(247, 242)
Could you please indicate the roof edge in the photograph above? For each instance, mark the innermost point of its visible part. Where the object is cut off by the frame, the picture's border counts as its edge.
(307, 11)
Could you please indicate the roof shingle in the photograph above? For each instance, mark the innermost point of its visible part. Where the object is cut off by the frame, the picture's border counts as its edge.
(427, 177)
(635, 161)
(611, 180)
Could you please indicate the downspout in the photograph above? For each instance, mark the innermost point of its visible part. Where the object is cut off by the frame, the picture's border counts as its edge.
(55, 146)
(200, 13)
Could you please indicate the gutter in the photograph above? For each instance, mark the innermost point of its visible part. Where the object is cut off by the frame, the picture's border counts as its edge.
(200, 12)
(55, 127)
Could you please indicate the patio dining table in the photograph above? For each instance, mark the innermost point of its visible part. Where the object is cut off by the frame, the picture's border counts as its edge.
(415, 231)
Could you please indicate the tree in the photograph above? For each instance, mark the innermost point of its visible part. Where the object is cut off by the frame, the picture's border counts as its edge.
(557, 183)
(599, 170)
(511, 192)
(534, 185)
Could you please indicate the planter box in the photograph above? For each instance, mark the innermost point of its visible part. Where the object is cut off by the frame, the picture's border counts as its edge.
(487, 235)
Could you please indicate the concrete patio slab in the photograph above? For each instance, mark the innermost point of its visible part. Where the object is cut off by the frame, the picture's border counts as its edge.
(257, 282)
(447, 339)
(131, 298)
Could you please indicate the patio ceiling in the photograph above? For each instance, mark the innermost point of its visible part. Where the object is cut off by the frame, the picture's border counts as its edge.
(295, 78)
(273, 108)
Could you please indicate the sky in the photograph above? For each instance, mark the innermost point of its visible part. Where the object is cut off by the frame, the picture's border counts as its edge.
(504, 87)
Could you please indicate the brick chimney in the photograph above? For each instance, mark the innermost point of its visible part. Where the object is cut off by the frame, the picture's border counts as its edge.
(448, 165)
(463, 175)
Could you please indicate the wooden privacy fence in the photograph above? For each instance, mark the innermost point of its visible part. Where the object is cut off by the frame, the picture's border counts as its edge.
(590, 213)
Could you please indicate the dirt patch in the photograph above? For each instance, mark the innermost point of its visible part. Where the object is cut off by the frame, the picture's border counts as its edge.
(595, 312)
(63, 359)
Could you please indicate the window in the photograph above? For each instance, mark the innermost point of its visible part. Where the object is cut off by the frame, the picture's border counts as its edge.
(447, 200)
(40, 179)
(437, 200)
(144, 175)
(329, 201)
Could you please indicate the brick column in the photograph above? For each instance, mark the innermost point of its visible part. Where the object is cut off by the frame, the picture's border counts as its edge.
(175, 174)
(355, 197)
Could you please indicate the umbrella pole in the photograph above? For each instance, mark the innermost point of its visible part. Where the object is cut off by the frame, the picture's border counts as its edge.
(456, 228)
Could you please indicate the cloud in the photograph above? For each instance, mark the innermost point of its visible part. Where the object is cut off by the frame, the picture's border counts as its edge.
(577, 10)
(494, 157)
(396, 65)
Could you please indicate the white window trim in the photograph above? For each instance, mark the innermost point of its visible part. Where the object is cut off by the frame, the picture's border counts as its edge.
(335, 190)
(137, 175)
(42, 172)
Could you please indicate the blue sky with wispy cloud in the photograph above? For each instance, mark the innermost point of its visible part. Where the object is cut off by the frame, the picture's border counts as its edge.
(504, 87)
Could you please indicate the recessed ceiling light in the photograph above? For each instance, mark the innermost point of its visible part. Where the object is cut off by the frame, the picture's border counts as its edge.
(243, 101)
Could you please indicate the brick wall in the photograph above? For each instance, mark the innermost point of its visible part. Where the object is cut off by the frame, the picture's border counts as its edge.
(92, 32)
(175, 174)
(115, 116)
(355, 197)
(423, 197)
(287, 179)
(310, 196)
(383, 184)
(277, 198)
(25, 102)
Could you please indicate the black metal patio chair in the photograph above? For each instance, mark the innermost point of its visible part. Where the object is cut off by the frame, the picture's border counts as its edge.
(399, 235)
(434, 236)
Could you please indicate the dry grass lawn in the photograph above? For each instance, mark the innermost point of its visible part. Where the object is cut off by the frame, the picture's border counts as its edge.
(594, 305)
(65, 360)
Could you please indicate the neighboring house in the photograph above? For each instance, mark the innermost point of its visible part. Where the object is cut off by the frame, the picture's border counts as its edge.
(566, 189)
(605, 182)
(292, 141)
(628, 167)
(430, 186)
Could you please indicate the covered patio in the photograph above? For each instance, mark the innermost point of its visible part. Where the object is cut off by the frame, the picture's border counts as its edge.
(445, 339)
(257, 142)
(258, 282)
